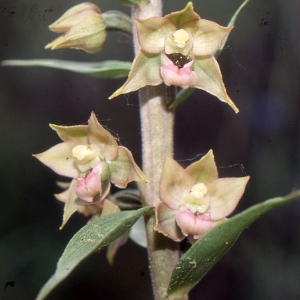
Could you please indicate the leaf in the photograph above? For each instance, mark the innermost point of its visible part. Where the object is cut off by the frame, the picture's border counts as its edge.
(184, 94)
(88, 239)
(107, 69)
(231, 22)
(207, 251)
(132, 2)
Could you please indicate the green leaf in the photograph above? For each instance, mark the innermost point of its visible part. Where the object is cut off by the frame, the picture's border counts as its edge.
(106, 69)
(132, 2)
(88, 239)
(207, 251)
(231, 22)
(184, 94)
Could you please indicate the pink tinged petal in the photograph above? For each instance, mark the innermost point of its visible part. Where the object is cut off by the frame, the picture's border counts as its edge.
(87, 188)
(88, 35)
(224, 195)
(144, 71)
(165, 222)
(194, 225)
(209, 79)
(109, 208)
(208, 36)
(205, 169)
(102, 138)
(151, 33)
(182, 16)
(62, 184)
(63, 197)
(175, 182)
(172, 75)
(105, 191)
(73, 16)
(72, 133)
(72, 203)
(113, 247)
(124, 169)
(60, 159)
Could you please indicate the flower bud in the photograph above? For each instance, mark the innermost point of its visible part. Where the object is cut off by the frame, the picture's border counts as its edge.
(84, 29)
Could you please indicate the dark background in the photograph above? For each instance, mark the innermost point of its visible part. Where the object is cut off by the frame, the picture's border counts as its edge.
(260, 66)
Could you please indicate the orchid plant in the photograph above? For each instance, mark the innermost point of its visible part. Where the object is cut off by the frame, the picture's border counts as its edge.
(169, 204)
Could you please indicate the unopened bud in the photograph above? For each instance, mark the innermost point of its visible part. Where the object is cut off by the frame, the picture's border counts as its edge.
(84, 29)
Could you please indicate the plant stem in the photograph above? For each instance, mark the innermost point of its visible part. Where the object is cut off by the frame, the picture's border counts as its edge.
(157, 125)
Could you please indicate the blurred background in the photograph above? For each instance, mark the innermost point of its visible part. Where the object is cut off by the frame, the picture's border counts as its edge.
(260, 67)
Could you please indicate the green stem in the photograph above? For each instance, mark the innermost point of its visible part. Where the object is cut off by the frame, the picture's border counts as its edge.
(116, 20)
(181, 96)
(157, 125)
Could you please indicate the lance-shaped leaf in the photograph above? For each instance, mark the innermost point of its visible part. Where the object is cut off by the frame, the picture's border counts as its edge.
(87, 240)
(208, 250)
(111, 69)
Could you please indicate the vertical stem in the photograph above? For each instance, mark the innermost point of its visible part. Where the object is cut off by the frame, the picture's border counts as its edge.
(157, 125)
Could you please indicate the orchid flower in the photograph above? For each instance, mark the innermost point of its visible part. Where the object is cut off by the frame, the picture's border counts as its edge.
(89, 155)
(178, 49)
(193, 200)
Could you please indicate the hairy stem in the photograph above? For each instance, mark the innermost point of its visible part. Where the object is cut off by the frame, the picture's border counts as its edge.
(157, 124)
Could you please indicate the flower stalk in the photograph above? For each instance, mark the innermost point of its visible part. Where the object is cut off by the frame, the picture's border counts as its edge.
(157, 142)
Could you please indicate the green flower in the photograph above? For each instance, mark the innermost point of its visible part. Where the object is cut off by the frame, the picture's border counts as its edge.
(178, 49)
(194, 199)
(91, 156)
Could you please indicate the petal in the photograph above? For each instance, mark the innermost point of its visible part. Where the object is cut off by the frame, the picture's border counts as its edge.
(175, 182)
(60, 159)
(105, 191)
(102, 138)
(194, 225)
(71, 133)
(145, 70)
(109, 208)
(87, 188)
(151, 33)
(208, 36)
(113, 247)
(224, 195)
(205, 169)
(62, 184)
(165, 222)
(73, 16)
(72, 202)
(182, 16)
(172, 75)
(209, 79)
(124, 169)
(88, 35)
(138, 233)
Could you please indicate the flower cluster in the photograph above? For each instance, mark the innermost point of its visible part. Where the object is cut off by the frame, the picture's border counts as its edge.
(194, 199)
(178, 49)
(90, 156)
(83, 28)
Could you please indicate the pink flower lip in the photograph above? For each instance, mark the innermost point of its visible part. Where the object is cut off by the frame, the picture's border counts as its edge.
(87, 188)
(173, 75)
(191, 224)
